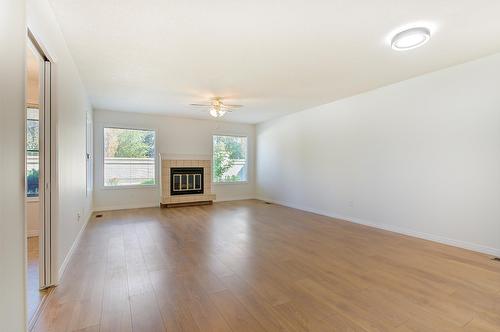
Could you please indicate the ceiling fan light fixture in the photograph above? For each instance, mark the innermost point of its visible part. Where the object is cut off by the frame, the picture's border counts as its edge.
(216, 107)
(410, 38)
(214, 113)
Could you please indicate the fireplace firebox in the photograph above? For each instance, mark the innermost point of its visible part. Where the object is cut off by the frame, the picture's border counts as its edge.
(186, 180)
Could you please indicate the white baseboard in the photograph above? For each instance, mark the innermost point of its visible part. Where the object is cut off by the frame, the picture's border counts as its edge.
(125, 207)
(396, 229)
(236, 198)
(150, 205)
(63, 266)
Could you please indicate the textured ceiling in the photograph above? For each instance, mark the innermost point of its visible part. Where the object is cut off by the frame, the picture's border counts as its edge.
(275, 57)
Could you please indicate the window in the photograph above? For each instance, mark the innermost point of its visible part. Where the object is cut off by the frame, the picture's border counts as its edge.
(229, 159)
(32, 151)
(129, 157)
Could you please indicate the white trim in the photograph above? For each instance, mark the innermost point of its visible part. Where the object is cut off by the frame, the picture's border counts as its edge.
(64, 265)
(157, 162)
(230, 182)
(125, 207)
(234, 133)
(51, 57)
(131, 186)
(153, 205)
(89, 152)
(396, 229)
(236, 198)
(247, 161)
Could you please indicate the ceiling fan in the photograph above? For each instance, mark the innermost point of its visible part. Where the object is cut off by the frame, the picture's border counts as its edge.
(217, 108)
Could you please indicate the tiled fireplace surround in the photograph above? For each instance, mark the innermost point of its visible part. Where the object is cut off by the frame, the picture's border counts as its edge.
(169, 161)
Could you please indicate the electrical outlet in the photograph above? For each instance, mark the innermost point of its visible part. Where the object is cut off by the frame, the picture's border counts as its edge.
(351, 204)
(78, 216)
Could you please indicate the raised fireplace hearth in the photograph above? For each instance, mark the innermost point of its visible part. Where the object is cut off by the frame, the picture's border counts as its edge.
(186, 180)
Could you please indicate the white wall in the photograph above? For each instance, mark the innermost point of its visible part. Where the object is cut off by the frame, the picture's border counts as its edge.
(174, 136)
(70, 105)
(420, 157)
(12, 237)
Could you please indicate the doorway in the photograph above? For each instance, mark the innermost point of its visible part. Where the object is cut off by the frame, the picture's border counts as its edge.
(38, 177)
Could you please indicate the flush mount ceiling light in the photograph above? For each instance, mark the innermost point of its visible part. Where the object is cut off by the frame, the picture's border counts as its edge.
(410, 38)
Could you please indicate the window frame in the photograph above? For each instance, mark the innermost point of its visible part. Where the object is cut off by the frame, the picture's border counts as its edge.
(89, 153)
(103, 156)
(35, 198)
(247, 163)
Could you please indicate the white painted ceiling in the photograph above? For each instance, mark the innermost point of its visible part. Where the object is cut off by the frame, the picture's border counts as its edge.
(275, 57)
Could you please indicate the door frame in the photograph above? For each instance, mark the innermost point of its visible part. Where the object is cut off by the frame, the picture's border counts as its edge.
(47, 175)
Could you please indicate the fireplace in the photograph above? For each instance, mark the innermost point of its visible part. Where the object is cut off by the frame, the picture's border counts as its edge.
(186, 180)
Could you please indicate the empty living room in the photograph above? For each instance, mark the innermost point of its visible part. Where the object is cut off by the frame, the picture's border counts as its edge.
(250, 166)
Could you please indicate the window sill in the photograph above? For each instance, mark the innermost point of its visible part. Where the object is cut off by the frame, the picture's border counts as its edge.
(139, 186)
(231, 183)
(32, 199)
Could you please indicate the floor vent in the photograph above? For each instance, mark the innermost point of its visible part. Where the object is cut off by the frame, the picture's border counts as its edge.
(496, 259)
(98, 215)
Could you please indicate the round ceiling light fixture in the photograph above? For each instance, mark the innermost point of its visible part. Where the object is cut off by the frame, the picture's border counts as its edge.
(410, 38)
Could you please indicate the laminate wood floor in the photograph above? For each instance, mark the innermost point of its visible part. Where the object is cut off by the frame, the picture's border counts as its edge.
(250, 266)
(33, 293)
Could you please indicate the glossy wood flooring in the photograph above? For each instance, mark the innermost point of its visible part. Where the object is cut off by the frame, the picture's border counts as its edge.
(249, 266)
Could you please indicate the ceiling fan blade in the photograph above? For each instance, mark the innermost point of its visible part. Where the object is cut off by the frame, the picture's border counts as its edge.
(208, 111)
(231, 106)
(204, 105)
